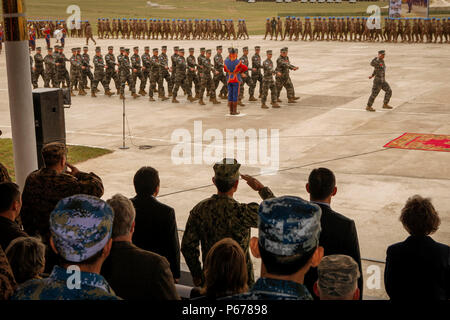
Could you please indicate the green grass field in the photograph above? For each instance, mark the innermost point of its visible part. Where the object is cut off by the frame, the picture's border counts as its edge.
(254, 13)
(76, 154)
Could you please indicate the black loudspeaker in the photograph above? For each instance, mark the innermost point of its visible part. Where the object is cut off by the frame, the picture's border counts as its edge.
(49, 118)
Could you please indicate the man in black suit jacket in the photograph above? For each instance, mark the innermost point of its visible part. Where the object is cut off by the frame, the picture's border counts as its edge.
(338, 235)
(419, 267)
(156, 225)
(134, 273)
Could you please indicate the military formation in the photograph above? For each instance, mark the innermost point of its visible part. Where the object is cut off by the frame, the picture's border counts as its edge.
(162, 75)
(408, 30)
(171, 29)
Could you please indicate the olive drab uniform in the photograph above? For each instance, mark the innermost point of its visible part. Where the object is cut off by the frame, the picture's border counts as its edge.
(99, 75)
(180, 79)
(164, 75)
(246, 79)
(268, 83)
(110, 71)
(192, 75)
(136, 69)
(379, 82)
(206, 81)
(86, 72)
(256, 74)
(75, 74)
(61, 71)
(284, 80)
(39, 69)
(125, 76)
(50, 71)
(155, 74)
(146, 66)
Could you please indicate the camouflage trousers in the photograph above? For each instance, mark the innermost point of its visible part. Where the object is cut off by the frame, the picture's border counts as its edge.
(112, 74)
(99, 76)
(62, 75)
(85, 74)
(164, 75)
(245, 80)
(285, 81)
(125, 77)
(145, 77)
(207, 83)
(49, 76)
(268, 84)
(154, 79)
(181, 81)
(192, 77)
(36, 73)
(221, 78)
(379, 85)
(75, 77)
(256, 76)
(136, 75)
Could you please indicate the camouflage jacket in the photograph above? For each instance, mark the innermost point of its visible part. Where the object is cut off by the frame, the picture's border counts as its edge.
(38, 61)
(99, 63)
(256, 64)
(42, 191)
(191, 63)
(92, 287)
(125, 65)
(4, 176)
(268, 69)
(273, 289)
(163, 61)
(7, 282)
(85, 60)
(181, 65)
(218, 63)
(110, 61)
(146, 61)
(75, 64)
(136, 62)
(379, 69)
(49, 61)
(283, 66)
(216, 218)
(244, 60)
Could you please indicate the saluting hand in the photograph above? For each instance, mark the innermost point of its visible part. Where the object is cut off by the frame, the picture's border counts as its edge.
(252, 182)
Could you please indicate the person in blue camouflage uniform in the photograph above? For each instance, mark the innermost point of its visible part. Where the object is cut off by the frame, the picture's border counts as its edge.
(81, 228)
(221, 216)
(288, 244)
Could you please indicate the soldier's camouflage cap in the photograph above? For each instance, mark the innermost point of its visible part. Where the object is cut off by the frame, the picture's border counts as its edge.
(38, 48)
(257, 47)
(53, 152)
(127, 50)
(289, 225)
(146, 48)
(208, 51)
(181, 50)
(81, 226)
(74, 49)
(202, 49)
(85, 48)
(227, 170)
(155, 49)
(382, 52)
(218, 47)
(191, 49)
(245, 48)
(283, 49)
(49, 48)
(337, 275)
(269, 51)
(136, 48)
(98, 49)
(122, 48)
(164, 47)
(176, 48)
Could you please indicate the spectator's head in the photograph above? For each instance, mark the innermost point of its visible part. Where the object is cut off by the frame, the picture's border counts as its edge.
(26, 256)
(321, 185)
(226, 175)
(81, 228)
(288, 243)
(337, 278)
(124, 215)
(146, 182)
(225, 270)
(54, 155)
(10, 201)
(419, 217)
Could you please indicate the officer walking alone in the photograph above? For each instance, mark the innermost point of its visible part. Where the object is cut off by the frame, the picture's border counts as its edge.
(379, 82)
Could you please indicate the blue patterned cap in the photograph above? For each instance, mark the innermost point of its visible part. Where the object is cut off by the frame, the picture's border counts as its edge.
(289, 225)
(81, 226)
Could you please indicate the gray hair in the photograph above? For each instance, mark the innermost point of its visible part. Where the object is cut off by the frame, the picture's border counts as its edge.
(124, 215)
(26, 255)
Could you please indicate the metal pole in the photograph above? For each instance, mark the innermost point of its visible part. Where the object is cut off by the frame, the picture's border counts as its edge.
(19, 89)
(123, 147)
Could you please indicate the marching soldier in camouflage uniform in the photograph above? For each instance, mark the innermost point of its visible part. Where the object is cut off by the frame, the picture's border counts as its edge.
(173, 68)
(164, 74)
(38, 69)
(220, 216)
(191, 73)
(136, 69)
(89, 35)
(206, 81)
(61, 72)
(246, 79)
(180, 79)
(45, 187)
(146, 66)
(86, 68)
(50, 69)
(269, 83)
(268, 28)
(155, 73)
(125, 75)
(219, 75)
(256, 72)
(282, 79)
(279, 29)
(110, 69)
(379, 82)
(75, 73)
(99, 74)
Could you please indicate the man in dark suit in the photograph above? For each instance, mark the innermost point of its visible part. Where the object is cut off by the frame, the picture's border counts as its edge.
(156, 225)
(419, 267)
(134, 273)
(338, 235)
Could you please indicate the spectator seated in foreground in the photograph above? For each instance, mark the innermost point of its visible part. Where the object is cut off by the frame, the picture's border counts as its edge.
(288, 245)
(81, 228)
